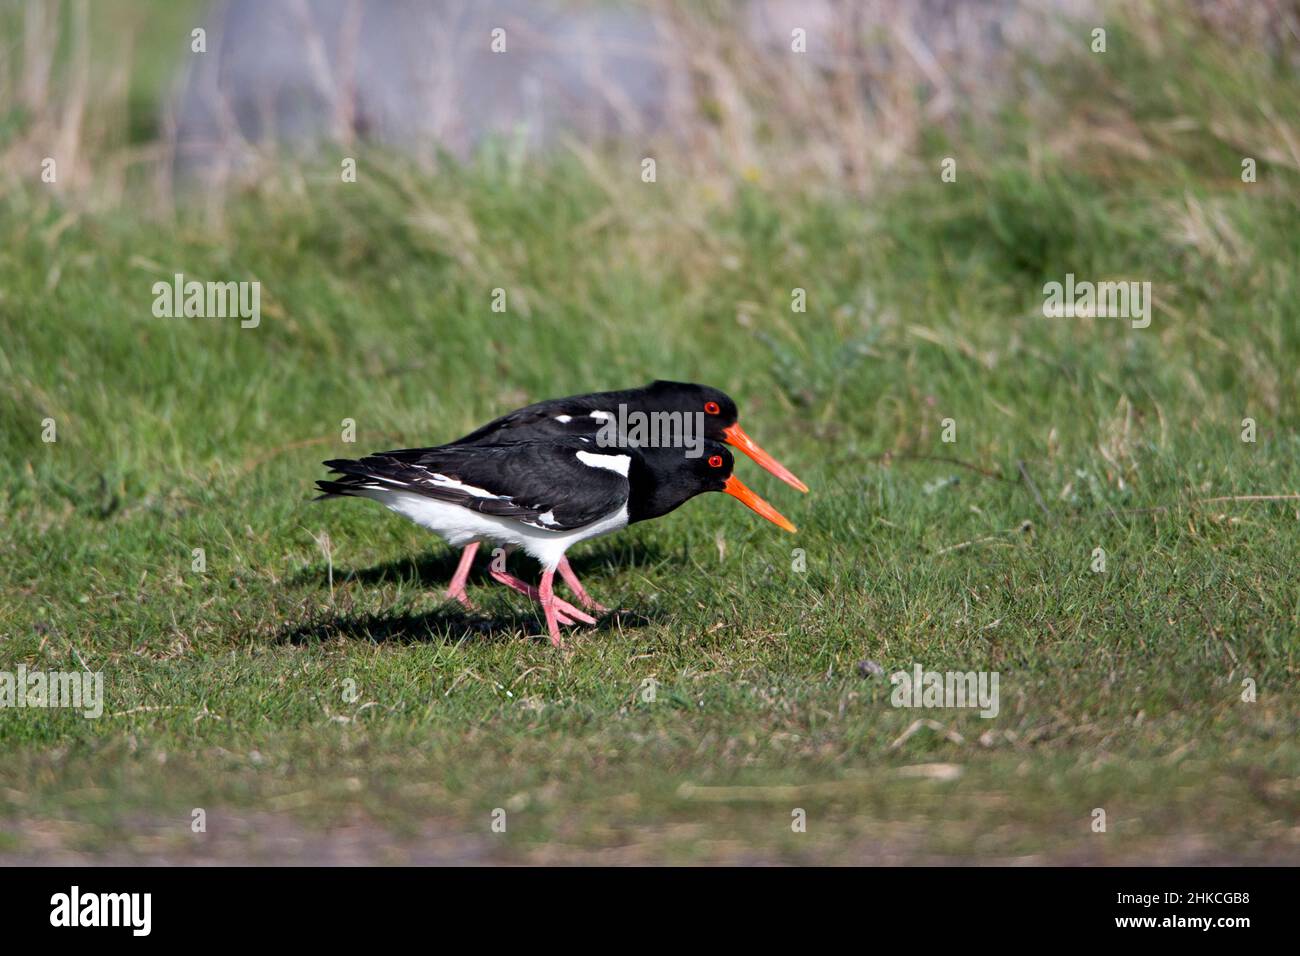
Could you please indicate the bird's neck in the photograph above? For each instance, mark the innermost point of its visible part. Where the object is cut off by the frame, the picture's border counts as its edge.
(648, 496)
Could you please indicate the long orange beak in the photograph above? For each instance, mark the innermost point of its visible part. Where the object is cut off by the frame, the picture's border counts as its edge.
(735, 437)
(736, 488)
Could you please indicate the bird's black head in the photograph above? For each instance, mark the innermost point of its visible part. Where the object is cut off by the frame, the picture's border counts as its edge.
(716, 406)
(663, 479)
(721, 420)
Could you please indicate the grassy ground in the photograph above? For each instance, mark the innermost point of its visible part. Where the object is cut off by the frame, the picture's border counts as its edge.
(227, 689)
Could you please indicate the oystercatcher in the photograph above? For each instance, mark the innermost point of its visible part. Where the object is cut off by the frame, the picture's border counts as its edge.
(540, 496)
(617, 414)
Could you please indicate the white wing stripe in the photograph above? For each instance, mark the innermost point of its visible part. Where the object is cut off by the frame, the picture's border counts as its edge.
(616, 463)
(444, 482)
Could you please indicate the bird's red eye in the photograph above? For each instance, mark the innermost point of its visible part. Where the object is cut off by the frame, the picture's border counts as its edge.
(715, 461)
(712, 408)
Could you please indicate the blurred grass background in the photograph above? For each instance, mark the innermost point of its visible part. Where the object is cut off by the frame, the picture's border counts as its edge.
(1120, 690)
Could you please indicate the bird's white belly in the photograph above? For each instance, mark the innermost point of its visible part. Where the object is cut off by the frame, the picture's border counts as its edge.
(460, 526)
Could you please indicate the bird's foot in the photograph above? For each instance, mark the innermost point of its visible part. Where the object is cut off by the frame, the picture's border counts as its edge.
(463, 597)
(565, 613)
(585, 599)
(456, 589)
(549, 602)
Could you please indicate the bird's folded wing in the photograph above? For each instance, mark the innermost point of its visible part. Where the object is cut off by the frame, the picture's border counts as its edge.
(499, 429)
(544, 485)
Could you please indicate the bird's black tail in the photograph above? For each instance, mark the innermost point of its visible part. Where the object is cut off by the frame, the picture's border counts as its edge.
(351, 478)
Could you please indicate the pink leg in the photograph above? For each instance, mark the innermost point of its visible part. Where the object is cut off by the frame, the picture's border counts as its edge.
(567, 612)
(547, 595)
(578, 590)
(457, 587)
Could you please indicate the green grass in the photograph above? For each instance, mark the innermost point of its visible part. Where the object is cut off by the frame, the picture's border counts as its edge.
(225, 689)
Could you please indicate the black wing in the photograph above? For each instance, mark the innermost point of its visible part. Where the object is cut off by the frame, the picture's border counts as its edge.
(543, 484)
(538, 423)
(532, 424)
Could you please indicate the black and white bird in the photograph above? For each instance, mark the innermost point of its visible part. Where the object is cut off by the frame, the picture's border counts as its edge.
(589, 414)
(557, 416)
(542, 497)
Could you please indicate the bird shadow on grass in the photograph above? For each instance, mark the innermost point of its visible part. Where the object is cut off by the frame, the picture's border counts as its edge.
(450, 623)
(435, 568)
